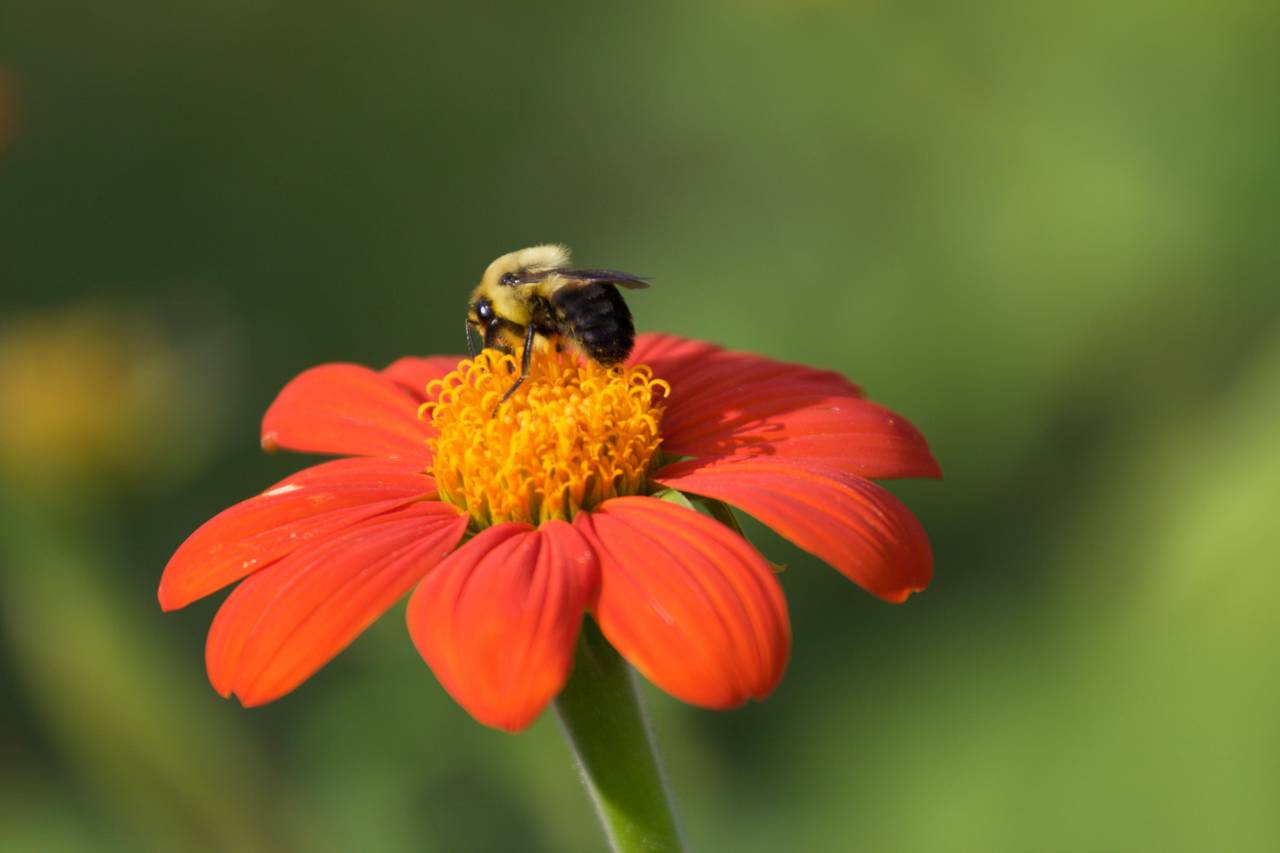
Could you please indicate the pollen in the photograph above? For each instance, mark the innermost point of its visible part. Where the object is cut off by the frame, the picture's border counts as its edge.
(574, 434)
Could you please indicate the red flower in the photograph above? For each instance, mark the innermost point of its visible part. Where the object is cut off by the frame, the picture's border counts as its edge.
(557, 489)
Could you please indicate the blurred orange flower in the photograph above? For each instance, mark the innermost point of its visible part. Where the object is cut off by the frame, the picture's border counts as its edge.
(92, 395)
(513, 524)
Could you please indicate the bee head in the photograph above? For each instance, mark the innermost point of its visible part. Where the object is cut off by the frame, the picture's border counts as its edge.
(480, 312)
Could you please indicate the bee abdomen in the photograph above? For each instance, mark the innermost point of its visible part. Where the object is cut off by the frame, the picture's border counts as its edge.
(598, 321)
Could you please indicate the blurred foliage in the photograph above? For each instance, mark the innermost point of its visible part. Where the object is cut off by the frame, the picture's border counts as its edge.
(1044, 232)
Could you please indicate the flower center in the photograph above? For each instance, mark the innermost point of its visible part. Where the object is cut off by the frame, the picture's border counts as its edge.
(572, 435)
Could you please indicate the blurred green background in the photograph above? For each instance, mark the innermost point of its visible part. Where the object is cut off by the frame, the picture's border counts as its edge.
(1046, 233)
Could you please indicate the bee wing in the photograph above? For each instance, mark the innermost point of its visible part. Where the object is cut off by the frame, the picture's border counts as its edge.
(577, 277)
(515, 279)
(604, 277)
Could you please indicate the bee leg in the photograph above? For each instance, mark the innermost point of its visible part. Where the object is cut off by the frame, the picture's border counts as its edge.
(491, 337)
(473, 349)
(525, 358)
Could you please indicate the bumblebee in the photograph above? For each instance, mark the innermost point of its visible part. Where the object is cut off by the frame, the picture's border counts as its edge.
(531, 300)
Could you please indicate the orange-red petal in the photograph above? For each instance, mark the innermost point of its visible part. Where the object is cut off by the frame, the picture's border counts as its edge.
(851, 523)
(701, 368)
(846, 433)
(412, 373)
(347, 410)
(687, 601)
(285, 622)
(305, 507)
(498, 620)
(725, 403)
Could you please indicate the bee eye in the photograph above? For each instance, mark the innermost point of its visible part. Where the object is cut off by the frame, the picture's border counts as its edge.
(484, 311)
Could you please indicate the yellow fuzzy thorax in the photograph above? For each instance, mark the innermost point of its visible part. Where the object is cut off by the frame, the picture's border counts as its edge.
(574, 434)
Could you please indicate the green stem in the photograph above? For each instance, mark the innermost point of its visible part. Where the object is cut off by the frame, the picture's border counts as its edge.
(606, 726)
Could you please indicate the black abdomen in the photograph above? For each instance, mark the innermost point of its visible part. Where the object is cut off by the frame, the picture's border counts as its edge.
(597, 319)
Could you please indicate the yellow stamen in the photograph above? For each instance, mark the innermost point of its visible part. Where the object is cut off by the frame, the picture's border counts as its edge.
(574, 434)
